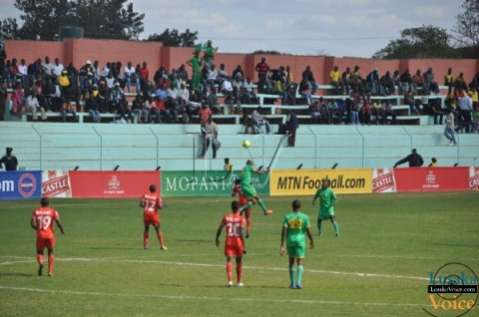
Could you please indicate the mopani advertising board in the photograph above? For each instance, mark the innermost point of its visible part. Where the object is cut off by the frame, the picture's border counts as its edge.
(306, 182)
(211, 183)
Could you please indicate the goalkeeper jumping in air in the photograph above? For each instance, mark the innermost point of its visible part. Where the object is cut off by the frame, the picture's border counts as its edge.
(248, 189)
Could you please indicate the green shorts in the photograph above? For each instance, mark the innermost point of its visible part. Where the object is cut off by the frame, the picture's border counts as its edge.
(325, 215)
(249, 191)
(296, 250)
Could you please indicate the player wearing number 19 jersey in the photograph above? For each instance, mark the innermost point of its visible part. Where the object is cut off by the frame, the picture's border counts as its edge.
(42, 221)
(151, 202)
(234, 242)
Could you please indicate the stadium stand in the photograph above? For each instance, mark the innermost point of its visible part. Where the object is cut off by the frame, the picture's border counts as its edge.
(177, 146)
(114, 92)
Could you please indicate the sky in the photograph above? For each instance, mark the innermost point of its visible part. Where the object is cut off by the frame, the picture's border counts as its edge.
(308, 27)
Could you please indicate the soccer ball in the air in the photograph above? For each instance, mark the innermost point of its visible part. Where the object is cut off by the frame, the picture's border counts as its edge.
(246, 144)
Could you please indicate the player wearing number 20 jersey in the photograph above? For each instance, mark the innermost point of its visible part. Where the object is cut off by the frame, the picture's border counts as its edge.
(234, 242)
(43, 219)
(151, 202)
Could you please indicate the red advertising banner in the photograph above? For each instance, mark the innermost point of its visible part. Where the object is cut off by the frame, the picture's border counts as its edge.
(435, 179)
(383, 180)
(111, 184)
(56, 184)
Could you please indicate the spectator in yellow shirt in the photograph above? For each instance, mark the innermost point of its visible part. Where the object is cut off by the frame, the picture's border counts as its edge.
(335, 77)
(475, 98)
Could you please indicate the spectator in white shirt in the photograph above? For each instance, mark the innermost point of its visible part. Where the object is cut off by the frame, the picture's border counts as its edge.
(129, 75)
(32, 105)
(22, 68)
(96, 70)
(106, 70)
(247, 91)
(222, 74)
(47, 66)
(259, 120)
(227, 86)
(212, 75)
(183, 93)
(465, 107)
(57, 68)
(110, 80)
(227, 90)
(450, 127)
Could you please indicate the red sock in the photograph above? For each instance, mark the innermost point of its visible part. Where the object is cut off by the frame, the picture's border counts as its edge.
(239, 271)
(160, 238)
(229, 269)
(145, 239)
(51, 261)
(40, 259)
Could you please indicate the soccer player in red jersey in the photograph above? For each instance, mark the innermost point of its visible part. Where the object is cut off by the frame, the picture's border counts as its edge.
(42, 221)
(243, 205)
(234, 242)
(151, 202)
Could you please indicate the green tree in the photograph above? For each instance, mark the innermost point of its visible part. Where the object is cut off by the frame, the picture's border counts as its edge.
(467, 26)
(8, 29)
(109, 19)
(43, 18)
(174, 38)
(421, 42)
(99, 18)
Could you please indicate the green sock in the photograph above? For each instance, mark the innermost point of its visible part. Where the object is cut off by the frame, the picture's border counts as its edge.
(336, 228)
(320, 227)
(300, 275)
(291, 275)
(262, 205)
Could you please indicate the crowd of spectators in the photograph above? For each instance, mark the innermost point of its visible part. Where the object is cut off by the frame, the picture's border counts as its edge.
(462, 98)
(133, 93)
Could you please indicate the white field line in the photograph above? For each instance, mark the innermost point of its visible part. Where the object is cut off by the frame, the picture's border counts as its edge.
(365, 256)
(379, 256)
(196, 264)
(205, 298)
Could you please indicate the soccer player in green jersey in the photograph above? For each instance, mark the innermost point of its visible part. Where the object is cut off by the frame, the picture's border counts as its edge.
(327, 200)
(296, 226)
(248, 189)
(195, 63)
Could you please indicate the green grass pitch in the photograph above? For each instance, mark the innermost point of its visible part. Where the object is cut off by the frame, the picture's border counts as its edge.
(378, 267)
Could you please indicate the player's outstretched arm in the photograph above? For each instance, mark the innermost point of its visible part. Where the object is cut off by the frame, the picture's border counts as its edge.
(282, 250)
(60, 226)
(316, 196)
(218, 234)
(401, 161)
(33, 223)
(310, 237)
